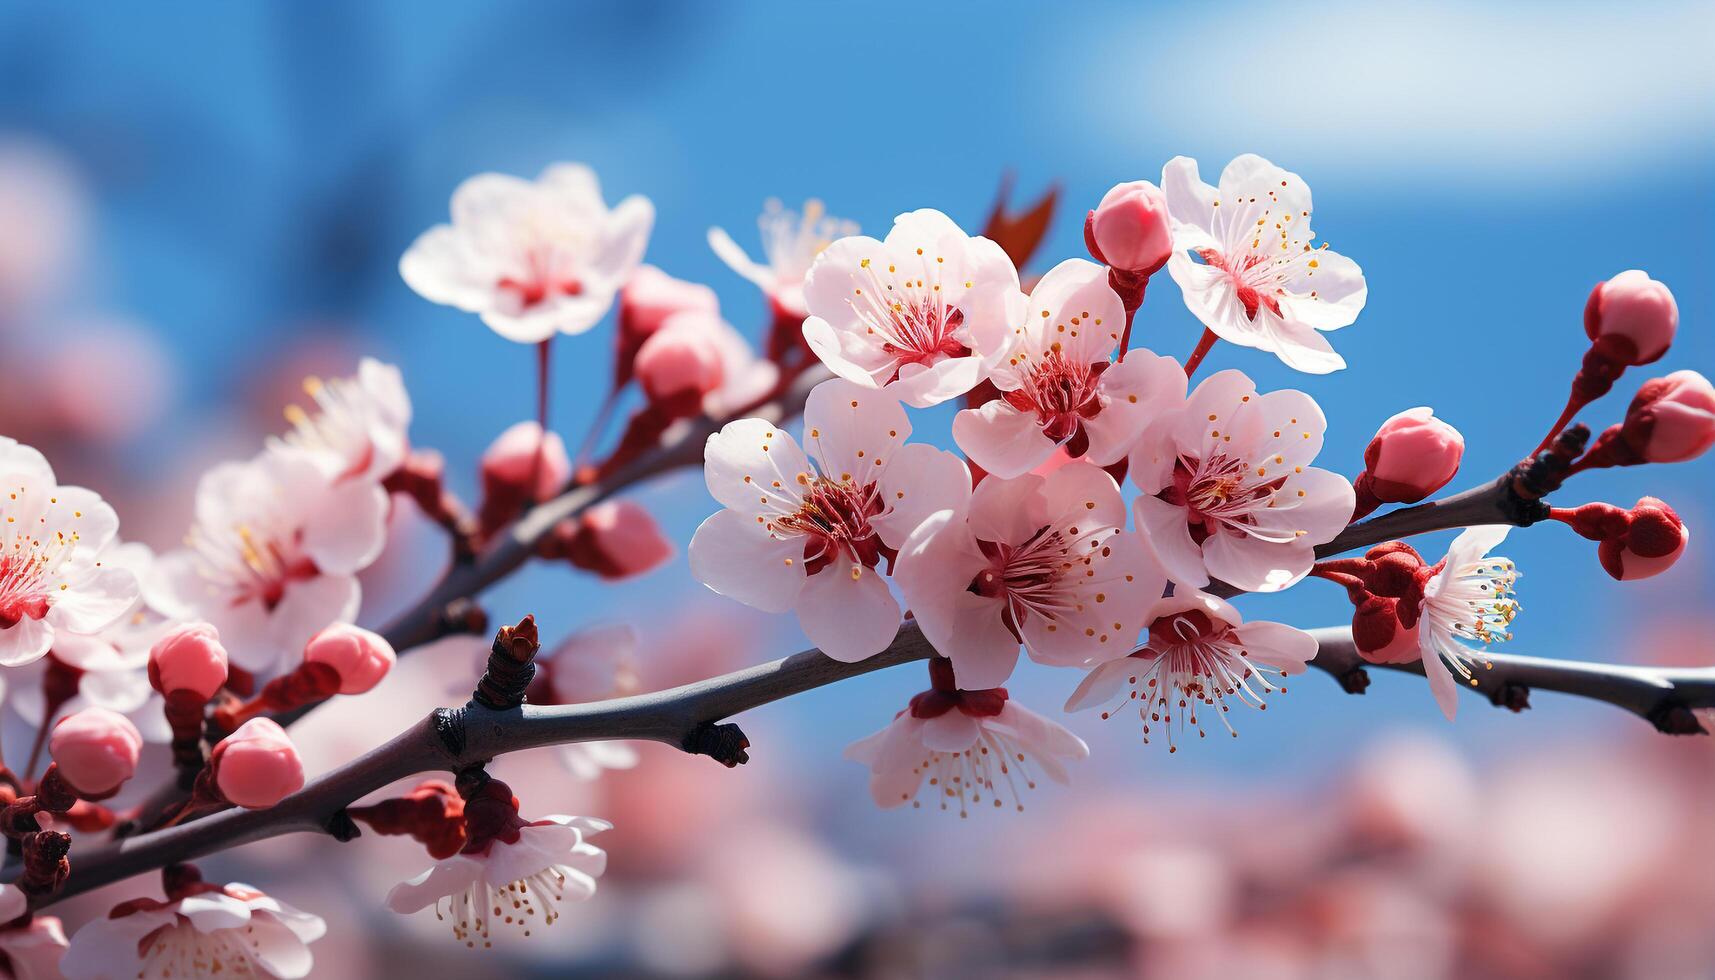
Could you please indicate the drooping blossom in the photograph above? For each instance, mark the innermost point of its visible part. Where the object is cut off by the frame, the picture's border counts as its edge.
(200, 930)
(972, 747)
(914, 313)
(810, 537)
(1259, 282)
(1042, 561)
(1469, 599)
(357, 426)
(790, 243)
(590, 665)
(273, 556)
(532, 257)
(52, 578)
(1228, 491)
(1200, 656)
(512, 875)
(1058, 384)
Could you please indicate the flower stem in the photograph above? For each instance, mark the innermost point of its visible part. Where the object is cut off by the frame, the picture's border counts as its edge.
(1204, 345)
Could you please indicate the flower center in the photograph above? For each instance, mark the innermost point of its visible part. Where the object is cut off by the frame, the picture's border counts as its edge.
(834, 520)
(1246, 273)
(337, 426)
(546, 273)
(1219, 492)
(909, 317)
(792, 241)
(1035, 578)
(252, 565)
(23, 591)
(1062, 393)
(1474, 602)
(183, 950)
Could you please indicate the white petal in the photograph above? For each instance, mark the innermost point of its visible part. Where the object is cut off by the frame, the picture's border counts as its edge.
(347, 530)
(736, 557)
(1103, 684)
(1134, 391)
(853, 431)
(746, 458)
(918, 481)
(1165, 529)
(26, 642)
(1002, 440)
(953, 731)
(848, 612)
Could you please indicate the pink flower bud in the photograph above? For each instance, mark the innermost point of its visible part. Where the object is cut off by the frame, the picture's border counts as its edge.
(1653, 541)
(96, 750)
(1672, 419)
(1631, 317)
(361, 658)
(681, 360)
(188, 659)
(520, 459)
(1129, 230)
(652, 296)
(618, 539)
(257, 766)
(1412, 455)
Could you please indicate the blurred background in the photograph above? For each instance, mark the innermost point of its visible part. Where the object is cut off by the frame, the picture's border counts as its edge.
(201, 205)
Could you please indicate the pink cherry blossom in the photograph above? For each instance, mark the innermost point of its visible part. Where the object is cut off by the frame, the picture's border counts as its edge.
(809, 537)
(200, 930)
(32, 951)
(1260, 282)
(740, 378)
(1058, 384)
(911, 313)
(1469, 599)
(96, 750)
(1042, 561)
(1631, 317)
(357, 427)
(790, 243)
(591, 665)
(1199, 652)
(972, 747)
(1228, 491)
(525, 872)
(1130, 229)
(273, 556)
(533, 258)
(257, 766)
(1412, 455)
(52, 578)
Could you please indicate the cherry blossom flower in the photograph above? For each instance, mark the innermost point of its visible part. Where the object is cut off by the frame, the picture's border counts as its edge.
(911, 313)
(591, 665)
(273, 556)
(1260, 282)
(533, 258)
(1042, 561)
(52, 578)
(200, 930)
(514, 874)
(971, 746)
(31, 951)
(790, 243)
(357, 426)
(1058, 385)
(1469, 599)
(1228, 491)
(797, 535)
(1199, 652)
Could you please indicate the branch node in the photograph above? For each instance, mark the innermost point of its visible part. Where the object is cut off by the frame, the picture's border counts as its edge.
(1512, 696)
(342, 828)
(1673, 718)
(1355, 680)
(450, 729)
(511, 666)
(725, 744)
(1532, 479)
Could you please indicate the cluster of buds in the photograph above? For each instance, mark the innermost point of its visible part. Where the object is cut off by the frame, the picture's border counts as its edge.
(341, 659)
(1631, 544)
(1386, 589)
(616, 539)
(1412, 455)
(1671, 420)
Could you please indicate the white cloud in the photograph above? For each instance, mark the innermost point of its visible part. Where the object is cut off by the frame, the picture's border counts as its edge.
(1474, 93)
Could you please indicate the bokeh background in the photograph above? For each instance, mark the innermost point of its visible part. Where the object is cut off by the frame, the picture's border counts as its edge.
(201, 204)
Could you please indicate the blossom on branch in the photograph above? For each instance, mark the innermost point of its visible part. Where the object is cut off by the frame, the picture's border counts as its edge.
(1042, 561)
(790, 243)
(797, 535)
(1058, 384)
(357, 427)
(533, 258)
(1259, 282)
(1468, 599)
(1228, 492)
(914, 313)
(52, 577)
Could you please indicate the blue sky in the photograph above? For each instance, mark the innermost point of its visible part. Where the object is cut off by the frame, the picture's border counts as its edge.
(261, 167)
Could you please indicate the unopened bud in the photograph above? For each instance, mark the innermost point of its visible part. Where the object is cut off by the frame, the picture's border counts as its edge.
(681, 361)
(1631, 318)
(1672, 419)
(360, 657)
(520, 468)
(616, 539)
(189, 661)
(1129, 229)
(1412, 455)
(257, 766)
(1652, 542)
(96, 751)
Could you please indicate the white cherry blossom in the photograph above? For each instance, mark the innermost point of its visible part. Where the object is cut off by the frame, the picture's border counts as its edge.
(1200, 655)
(975, 748)
(1228, 492)
(203, 930)
(911, 313)
(1059, 385)
(790, 243)
(1468, 600)
(52, 577)
(810, 537)
(1042, 561)
(273, 556)
(532, 257)
(1260, 282)
(357, 426)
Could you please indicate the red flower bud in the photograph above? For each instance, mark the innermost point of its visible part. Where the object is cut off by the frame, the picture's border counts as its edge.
(1672, 419)
(1653, 541)
(257, 766)
(189, 659)
(1631, 318)
(1129, 229)
(681, 361)
(360, 658)
(617, 539)
(1412, 455)
(520, 468)
(96, 751)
